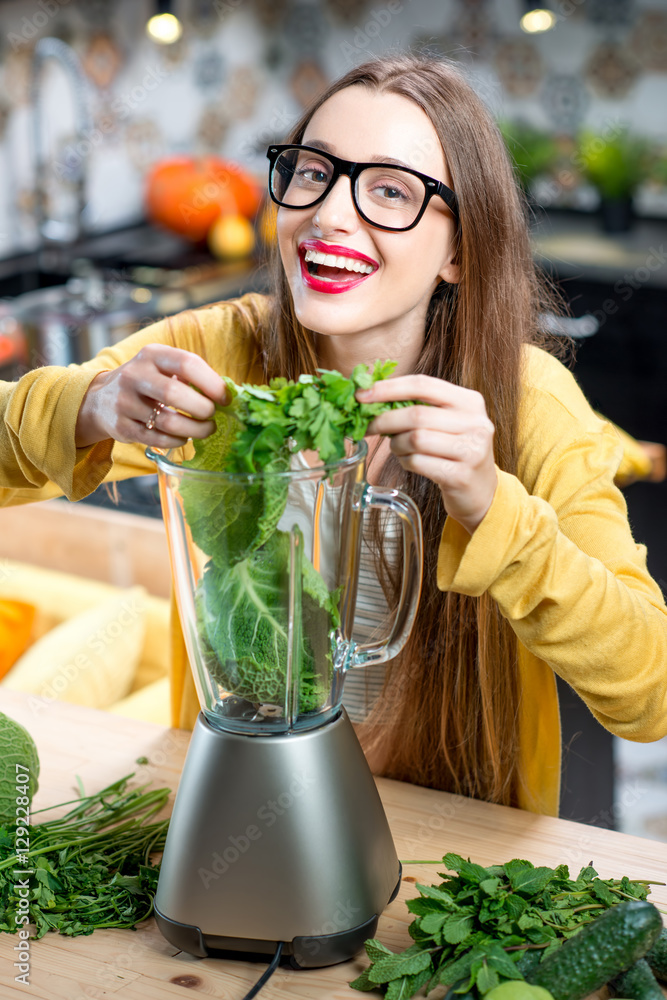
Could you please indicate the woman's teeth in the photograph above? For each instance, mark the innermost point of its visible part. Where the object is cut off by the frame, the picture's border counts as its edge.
(332, 260)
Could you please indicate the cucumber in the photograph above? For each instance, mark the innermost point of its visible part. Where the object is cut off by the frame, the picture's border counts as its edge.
(530, 958)
(657, 957)
(599, 951)
(636, 983)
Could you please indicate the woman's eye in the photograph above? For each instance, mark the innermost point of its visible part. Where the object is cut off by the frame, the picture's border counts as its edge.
(389, 192)
(314, 174)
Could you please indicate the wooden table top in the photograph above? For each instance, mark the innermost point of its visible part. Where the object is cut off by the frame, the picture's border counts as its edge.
(140, 965)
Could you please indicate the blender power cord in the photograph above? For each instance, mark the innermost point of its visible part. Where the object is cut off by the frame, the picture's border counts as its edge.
(266, 975)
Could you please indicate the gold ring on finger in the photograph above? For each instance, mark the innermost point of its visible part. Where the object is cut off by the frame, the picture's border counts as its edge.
(155, 412)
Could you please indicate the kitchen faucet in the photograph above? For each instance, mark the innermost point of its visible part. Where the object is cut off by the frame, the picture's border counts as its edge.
(52, 231)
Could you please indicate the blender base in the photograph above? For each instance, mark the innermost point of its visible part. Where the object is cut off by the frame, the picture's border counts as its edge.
(276, 839)
(300, 953)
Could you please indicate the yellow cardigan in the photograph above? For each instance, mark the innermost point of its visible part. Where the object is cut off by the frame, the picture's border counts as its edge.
(554, 550)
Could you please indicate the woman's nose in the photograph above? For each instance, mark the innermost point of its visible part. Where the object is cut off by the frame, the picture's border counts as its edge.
(337, 211)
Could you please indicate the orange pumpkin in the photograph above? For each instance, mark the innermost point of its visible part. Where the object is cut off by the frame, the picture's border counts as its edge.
(16, 618)
(187, 194)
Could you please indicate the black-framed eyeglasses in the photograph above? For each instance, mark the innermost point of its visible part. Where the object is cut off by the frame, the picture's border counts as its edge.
(385, 195)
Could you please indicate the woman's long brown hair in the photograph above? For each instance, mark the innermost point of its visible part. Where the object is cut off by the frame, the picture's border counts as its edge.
(447, 716)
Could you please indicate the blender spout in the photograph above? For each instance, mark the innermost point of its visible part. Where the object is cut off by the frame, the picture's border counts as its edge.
(343, 656)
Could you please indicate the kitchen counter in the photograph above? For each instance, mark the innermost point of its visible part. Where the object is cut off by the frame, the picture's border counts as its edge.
(141, 965)
(573, 245)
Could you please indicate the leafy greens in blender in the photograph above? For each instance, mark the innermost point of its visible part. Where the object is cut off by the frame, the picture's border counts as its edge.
(234, 522)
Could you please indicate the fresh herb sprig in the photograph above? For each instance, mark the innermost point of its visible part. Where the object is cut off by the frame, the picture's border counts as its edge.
(91, 868)
(315, 413)
(481, 926)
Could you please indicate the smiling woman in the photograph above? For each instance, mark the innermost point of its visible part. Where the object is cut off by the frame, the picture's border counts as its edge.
(401, 234)
(385, 215)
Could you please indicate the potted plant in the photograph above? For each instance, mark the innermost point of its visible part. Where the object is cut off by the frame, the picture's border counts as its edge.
(532, 151)
(615, 165)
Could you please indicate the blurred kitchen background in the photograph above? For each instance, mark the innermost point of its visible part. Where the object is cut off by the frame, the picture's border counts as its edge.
(132, 166)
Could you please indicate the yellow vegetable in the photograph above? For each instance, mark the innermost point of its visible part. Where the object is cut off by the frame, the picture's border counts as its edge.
(91, 658)
(231, 237)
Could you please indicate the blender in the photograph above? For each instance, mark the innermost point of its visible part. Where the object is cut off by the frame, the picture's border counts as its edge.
(278, 833)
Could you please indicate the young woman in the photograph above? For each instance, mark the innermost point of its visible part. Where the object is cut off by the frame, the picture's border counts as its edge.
(401, 235)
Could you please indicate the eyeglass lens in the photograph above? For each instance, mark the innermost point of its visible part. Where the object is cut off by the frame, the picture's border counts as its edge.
(386, 196)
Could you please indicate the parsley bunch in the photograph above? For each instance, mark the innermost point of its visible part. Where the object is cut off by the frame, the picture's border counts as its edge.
(316, 413)
(91, 868)
(485, 925)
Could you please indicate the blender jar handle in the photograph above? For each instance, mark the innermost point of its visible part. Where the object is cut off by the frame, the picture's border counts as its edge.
(397, 503)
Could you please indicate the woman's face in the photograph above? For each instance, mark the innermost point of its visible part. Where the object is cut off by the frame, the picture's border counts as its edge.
(390, 303)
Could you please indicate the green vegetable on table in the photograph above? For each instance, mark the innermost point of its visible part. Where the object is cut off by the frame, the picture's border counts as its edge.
(636, 983)
(241, 598)
(601, 950)
(89, 869)
(657, 957)
(19, 768)
(518, 989)
(476, 929)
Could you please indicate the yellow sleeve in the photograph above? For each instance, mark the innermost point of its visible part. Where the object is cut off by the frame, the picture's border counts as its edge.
(635, 463)
(556, 552)
(38, 459)
(37, 451)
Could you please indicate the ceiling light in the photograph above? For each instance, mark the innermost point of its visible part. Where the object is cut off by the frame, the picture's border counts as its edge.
(537, 20)
(164, 27)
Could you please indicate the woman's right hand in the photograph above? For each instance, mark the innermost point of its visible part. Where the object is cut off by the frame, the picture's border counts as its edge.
(120, 403)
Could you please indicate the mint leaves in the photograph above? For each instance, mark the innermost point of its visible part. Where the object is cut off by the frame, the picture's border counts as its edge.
(241, 600)
(481, 926)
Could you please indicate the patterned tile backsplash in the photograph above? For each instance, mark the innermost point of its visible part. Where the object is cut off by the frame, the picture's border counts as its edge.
(229, 85)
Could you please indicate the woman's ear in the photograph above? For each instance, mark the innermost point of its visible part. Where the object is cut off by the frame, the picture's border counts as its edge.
(450, 273)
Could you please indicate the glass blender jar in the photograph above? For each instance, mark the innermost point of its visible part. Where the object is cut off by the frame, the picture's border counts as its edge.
(266, 571)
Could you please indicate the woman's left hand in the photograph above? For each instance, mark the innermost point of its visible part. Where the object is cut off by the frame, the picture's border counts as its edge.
(449, 441)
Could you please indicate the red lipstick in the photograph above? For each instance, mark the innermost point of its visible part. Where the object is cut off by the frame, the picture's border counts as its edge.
(328, 285)
(337, 250)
